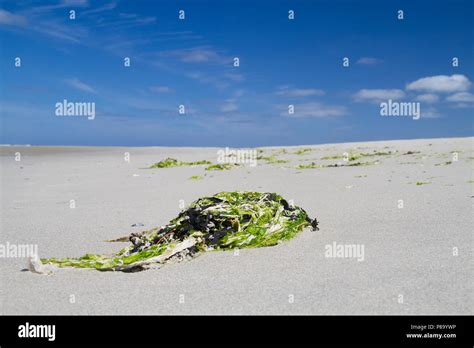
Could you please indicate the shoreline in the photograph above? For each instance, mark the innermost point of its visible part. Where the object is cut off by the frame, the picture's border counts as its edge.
(219, 147)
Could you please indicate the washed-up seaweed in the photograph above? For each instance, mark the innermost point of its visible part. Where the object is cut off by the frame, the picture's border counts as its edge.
(172, 162)
(226, 220)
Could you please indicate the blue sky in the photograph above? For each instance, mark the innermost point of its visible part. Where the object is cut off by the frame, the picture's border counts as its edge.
(190, 62)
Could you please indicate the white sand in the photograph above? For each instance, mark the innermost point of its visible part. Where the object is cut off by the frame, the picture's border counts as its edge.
(408, 251)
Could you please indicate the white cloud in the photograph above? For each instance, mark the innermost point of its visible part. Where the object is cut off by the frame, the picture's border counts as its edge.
(207, 79)
(231, 103)
(161, 89)
(429, 113)
(9, 18)
(298, 92)
(315, 109)
(202, 54)
(75, 83)
(198, 55)
(369, 61)
(440, 84)
(229, 106)
(378, 95)
(427, 98)
(462, 97)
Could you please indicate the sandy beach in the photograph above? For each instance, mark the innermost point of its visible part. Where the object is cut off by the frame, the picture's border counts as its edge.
(422, 251)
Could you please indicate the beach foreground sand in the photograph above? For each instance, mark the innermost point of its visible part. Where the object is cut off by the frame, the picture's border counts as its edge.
(417, 259)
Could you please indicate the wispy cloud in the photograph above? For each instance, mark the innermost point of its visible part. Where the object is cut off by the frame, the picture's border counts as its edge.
(67, 3)
(239, 93)
(369, 61)
(112, 33)
(461, 97)
(161, 89)
(430, 112)
(41, 20)
(124, 23)
(427, 98)
(234, 76)
(44, 19)
(440, 84)
(79, 85)
(61, 31)
(103, 8)
(287, 91)
(128, 15)
(203, 64)
(197, 55)
(378, 95)
(229, 106)
(200, 54)
(208, 79)
(9, 18)
(314, 109)
(62, 4)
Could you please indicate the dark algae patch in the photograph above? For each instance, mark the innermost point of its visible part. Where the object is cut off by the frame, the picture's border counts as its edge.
(313, 165)
(354, 156)
(352, 164)
(224, 221)
(444, 164)
(307, 166)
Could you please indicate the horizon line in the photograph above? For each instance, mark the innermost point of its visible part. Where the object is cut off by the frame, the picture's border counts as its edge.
(210, 147)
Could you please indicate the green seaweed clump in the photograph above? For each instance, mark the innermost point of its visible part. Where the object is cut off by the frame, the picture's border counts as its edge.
(336, 165)
(195, 177)
(352, 164)
(222, 166)
(332, 157)
(272, 159)
(226, 220)
(353, 156)
(279, 151)
(172, 162)
(302, 151)
(307, 166)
